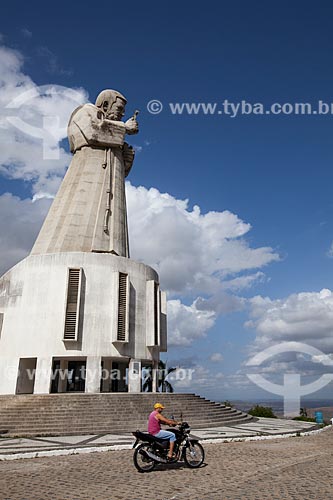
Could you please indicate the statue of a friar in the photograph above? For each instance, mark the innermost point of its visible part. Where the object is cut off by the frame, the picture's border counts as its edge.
(89, 211)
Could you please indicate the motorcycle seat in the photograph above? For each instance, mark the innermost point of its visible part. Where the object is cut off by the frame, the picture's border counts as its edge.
(145, 436)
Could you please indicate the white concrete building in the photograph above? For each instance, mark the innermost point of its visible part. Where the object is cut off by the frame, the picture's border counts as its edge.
(78, 314)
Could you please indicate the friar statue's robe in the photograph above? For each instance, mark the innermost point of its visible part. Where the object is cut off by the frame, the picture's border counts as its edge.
(89, 211)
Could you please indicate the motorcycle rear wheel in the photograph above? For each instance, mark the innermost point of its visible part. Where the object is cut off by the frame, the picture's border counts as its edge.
(141, 461)
(194, 455)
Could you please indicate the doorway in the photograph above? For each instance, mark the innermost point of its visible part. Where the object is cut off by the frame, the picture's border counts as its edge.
(114, 375)
(26, 376)
(76, 381)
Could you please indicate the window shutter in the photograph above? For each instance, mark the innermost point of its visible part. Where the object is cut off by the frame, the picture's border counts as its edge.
(122, 308)
(72, 316)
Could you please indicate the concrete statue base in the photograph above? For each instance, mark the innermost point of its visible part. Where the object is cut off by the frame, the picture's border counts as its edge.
(97, 318)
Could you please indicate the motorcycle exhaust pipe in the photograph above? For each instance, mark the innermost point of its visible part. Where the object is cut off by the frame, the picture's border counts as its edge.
(149, 454)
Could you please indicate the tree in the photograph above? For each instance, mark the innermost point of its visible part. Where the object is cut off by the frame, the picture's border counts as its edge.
(147, 385)
(303, 412)
(163, 384)
(163, 373)
(261, 411)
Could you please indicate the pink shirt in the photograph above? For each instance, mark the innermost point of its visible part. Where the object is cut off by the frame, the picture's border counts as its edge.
(154, 425)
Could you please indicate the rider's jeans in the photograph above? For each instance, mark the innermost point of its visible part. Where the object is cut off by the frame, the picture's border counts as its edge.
(166, 435)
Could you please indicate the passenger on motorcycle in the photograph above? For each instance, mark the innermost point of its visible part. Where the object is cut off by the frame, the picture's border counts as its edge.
(154, 427)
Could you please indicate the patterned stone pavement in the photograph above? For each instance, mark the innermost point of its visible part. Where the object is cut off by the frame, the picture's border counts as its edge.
(46, 446)
(293, 468)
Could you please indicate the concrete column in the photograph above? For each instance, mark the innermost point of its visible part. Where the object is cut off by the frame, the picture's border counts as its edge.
(107, 366)
(43, 375)
(63, 375)
(93, 374)
(8, 375)
(134, 376)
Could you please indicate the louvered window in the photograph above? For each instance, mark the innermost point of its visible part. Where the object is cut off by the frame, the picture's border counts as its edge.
(122, 329)
(73, 304)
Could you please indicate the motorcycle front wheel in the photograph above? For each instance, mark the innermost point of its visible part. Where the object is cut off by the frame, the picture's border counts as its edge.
(194, 455)
(141, 461)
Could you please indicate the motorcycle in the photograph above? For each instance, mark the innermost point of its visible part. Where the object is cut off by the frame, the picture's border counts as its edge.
(150, 450)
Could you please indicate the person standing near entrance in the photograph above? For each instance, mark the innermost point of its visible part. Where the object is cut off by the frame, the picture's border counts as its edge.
(154, 427)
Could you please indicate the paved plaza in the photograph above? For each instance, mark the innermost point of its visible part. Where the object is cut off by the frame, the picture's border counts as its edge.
(291, 468)
(15, 448)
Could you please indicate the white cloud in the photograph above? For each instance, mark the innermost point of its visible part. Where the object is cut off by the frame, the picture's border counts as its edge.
(187, 323)
(26, 33)
(330, 251)
(51, 62)
(325, 359)
(197, 379)
(193, 252)
(216, 357)
(30, 107)
(306, 318)
(197, 255)
(246, 281)
(221, 303)
(205, 381)
(41, 195)
(20, 221)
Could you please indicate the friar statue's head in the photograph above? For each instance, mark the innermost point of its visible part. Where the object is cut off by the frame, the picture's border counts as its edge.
(112, 103)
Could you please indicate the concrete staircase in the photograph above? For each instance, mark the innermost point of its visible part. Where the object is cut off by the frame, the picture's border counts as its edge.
(78, 413)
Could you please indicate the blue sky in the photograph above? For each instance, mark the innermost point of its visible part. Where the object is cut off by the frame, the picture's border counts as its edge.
(272, 172)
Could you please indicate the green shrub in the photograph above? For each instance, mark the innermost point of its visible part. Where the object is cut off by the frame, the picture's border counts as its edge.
(261, 411)
(302, 418)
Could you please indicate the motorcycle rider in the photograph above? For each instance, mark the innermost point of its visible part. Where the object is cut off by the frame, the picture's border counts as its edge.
(154, 427)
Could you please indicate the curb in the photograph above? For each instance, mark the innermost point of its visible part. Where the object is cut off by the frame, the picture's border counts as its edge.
(64, 452)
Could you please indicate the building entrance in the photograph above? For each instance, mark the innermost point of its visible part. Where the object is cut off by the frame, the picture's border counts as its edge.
(114, 375)
(68, 375)
(26, 376)
(76, 380)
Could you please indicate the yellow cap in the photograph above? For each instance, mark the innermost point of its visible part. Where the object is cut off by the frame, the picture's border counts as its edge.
(158, 405)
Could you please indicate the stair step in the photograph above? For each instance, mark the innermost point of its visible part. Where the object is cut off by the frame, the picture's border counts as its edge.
(64, 414)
